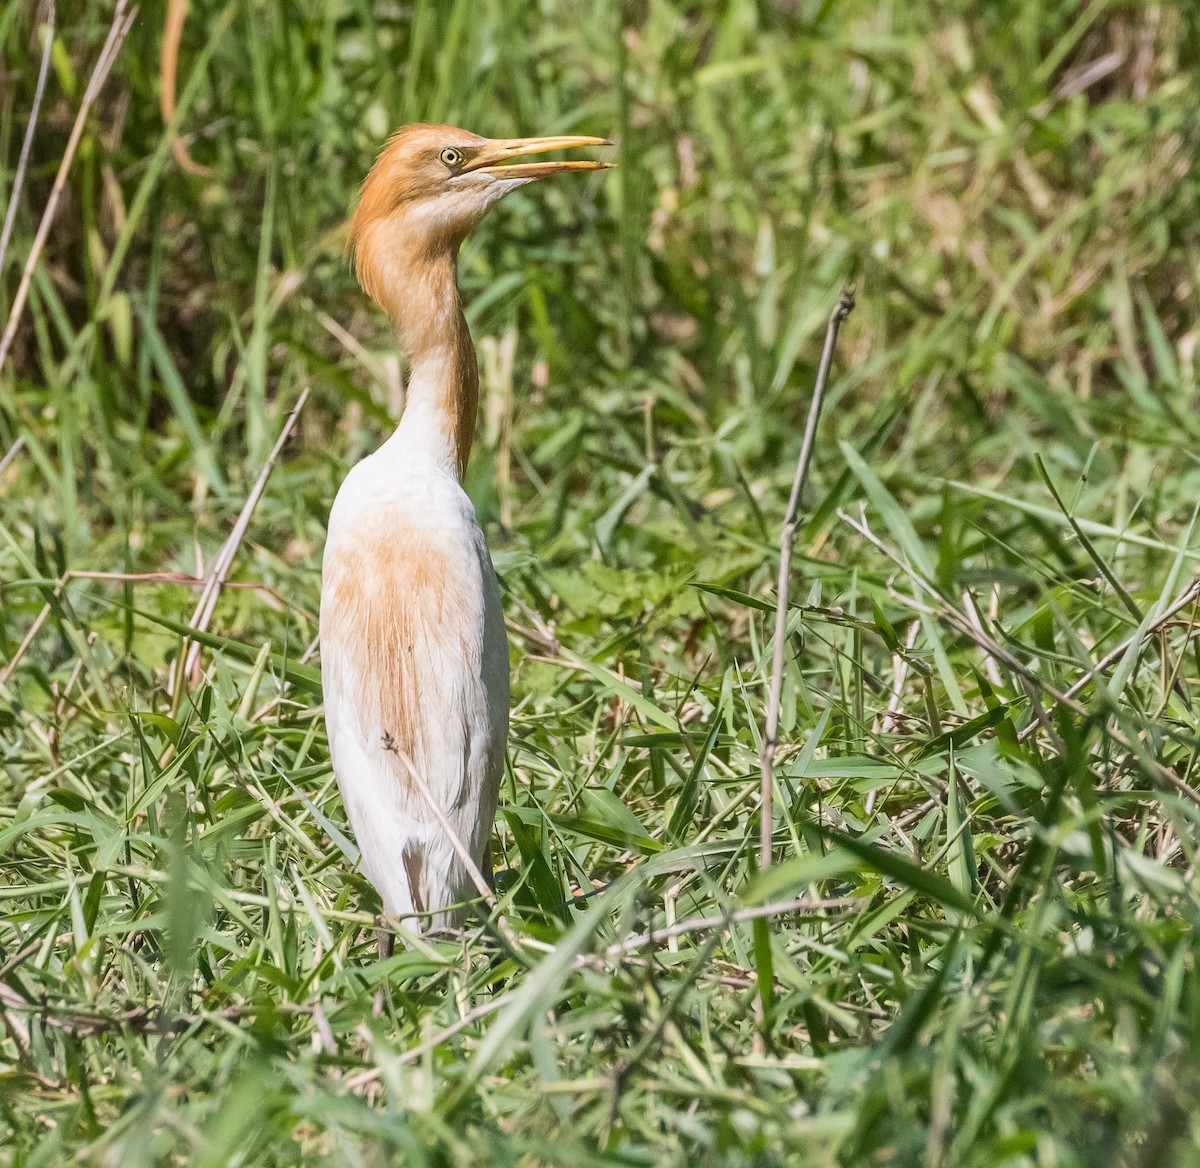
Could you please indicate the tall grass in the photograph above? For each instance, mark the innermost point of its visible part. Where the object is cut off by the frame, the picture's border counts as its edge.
(979, 933)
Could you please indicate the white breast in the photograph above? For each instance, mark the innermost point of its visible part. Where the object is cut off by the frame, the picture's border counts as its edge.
(415, 660)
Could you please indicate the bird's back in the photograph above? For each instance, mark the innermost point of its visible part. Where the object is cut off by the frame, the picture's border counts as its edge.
(414, 664)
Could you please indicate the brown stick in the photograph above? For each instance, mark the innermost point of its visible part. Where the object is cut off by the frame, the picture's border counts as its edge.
(23, 647)
(460, 848)
(189, 655)
(802, 904)
(787, 538)
(15, 448)
(122, 22)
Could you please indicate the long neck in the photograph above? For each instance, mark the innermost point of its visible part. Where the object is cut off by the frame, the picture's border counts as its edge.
(420, 294)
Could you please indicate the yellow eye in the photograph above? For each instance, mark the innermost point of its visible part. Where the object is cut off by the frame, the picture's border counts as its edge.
(452, 157)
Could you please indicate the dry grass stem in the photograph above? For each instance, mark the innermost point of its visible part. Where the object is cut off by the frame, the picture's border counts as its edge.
(46, 25)
(460, 849)
(122, 22)
(787, 539)
(189, 655)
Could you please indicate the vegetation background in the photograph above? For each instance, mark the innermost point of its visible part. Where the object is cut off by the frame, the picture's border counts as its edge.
(978, 943)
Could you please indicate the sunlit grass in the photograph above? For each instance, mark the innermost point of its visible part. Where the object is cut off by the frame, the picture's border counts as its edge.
(986, 841)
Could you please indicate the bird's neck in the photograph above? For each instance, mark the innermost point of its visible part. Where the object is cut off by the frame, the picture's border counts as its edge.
(443, 382)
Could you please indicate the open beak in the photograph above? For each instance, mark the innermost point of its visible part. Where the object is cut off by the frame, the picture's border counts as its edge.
(491, 159)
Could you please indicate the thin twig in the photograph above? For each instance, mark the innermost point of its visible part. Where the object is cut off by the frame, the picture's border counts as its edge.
(18, 1028)
(20, 956)
(23, 647)
(122, 22)
(477, 877)
(190, 654)
(15, 448)
(1081, 80)
(327, 1044)
(14, 196)
(912, 816)
(787, 538)
(802, 904)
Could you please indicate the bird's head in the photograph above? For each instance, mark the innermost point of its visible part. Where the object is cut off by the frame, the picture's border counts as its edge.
(432, 184)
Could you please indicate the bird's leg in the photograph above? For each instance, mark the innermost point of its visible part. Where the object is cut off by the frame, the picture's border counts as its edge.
(387, 944)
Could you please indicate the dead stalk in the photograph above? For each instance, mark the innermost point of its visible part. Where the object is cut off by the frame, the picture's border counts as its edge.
(168, 70)
(23, 647)
(787, 538)
(189, 655)
(803, 904)
(14, 196)
(122, 22)
(477, 878)
(15, 448)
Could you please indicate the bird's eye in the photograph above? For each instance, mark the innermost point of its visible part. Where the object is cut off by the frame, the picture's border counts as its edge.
(452, 157)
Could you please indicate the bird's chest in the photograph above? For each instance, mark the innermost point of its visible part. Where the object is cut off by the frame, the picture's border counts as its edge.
(411, 626)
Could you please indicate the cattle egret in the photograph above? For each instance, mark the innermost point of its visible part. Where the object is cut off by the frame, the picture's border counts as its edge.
(414, 655)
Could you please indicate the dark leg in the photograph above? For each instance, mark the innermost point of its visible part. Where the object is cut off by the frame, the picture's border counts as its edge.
(387, 943)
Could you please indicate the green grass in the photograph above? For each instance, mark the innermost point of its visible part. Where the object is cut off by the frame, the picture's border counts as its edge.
(1000, 963)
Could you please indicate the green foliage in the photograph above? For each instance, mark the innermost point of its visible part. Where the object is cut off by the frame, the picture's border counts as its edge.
(996, 960)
